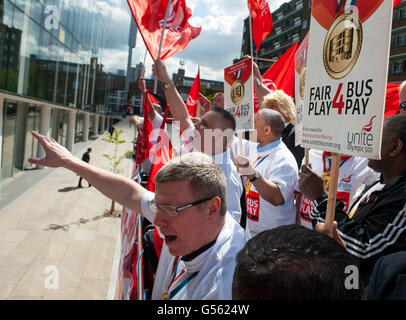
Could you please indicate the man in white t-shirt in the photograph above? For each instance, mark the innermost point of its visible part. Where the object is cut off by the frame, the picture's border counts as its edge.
(189, 208)
(353, 174)
(272, 177)
(211, 135)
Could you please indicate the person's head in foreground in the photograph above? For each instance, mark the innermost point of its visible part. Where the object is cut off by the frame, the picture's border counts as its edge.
(295, 263)
(190, 202)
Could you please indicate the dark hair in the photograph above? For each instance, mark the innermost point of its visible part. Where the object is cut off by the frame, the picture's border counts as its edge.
(293, 262)
(396, 129)
(226, 116)
(89, 149)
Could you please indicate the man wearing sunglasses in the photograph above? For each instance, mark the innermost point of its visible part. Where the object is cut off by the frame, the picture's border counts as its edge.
(189, 207)
(402, 98)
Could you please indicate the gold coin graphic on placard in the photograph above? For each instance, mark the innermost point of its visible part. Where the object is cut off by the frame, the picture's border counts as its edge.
(342, 45)
(237, 91)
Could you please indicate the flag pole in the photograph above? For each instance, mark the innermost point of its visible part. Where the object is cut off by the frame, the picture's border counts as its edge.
(160, 43)
(250, 23)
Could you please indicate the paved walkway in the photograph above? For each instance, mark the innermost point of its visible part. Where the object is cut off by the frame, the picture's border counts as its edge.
(55, 242)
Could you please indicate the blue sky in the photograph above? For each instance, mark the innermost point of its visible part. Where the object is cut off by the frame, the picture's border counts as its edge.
(216, 47)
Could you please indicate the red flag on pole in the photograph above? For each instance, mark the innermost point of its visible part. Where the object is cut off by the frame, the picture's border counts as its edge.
(149, 16)
(282, 73)
(193, 98)
(262, 24)
(164, 153)
(143, 143)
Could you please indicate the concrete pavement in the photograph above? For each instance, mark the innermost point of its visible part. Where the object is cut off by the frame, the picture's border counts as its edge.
(55, 242)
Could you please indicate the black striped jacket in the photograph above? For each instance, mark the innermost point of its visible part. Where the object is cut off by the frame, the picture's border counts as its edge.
(377, 228)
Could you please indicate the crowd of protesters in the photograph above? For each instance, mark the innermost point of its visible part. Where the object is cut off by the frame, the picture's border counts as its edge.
(247, 222)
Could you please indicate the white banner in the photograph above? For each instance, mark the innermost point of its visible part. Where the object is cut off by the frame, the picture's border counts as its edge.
(346, 77)
(239, 94)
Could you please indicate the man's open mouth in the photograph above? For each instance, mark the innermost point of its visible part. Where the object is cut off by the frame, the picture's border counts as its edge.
(169, 239)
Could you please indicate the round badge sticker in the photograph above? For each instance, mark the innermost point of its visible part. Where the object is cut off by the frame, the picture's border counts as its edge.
(342, 45)
(237, 91)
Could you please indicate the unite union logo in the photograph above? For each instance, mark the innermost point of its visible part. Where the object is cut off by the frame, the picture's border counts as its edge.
(361, 141)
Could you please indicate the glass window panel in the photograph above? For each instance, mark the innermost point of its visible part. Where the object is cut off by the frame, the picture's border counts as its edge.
(9, 133)
(21, 4)
(31, 144)
(37, 11)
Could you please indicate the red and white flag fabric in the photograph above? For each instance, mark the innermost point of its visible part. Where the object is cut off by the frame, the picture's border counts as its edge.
(164, 153)
(150, 15)
(193, 98)
(143, 144)
(282, 73)
(262, 20)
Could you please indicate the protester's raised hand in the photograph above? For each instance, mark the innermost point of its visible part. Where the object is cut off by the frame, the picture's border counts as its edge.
(159, 70)
(321, 227)
(244, 166)
(310, 183)
(141, 84)
(256, 72)
(55, 154)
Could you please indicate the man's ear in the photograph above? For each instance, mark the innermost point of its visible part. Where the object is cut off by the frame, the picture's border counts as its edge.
(213, 206)
(396, 147)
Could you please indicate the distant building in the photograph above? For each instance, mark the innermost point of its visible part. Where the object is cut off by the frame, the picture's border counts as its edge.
(184, 84)
(397, 58)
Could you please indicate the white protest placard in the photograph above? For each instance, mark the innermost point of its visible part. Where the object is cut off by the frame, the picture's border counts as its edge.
(300, 77)
(239, 95)
(346, 77)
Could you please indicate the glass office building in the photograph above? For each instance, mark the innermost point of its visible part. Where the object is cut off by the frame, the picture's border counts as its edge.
(51, 76)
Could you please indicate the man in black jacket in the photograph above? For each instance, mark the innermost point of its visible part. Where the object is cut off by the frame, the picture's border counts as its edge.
(85, 158)
(376, 224)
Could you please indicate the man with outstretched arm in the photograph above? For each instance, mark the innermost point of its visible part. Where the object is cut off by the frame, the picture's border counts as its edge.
(189, 208)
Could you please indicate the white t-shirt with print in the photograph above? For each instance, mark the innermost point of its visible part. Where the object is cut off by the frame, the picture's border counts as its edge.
(278, 165)
(209, 276)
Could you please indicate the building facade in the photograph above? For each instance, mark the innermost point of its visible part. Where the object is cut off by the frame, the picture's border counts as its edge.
(397, 58)
(51, 76)
(184, 84)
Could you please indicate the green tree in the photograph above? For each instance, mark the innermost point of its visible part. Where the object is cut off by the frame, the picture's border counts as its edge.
(115, 160)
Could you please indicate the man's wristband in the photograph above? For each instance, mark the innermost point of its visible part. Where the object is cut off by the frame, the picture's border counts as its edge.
(168, 85)
(256, 176)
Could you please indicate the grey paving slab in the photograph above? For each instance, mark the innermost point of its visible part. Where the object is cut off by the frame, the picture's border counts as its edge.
(55, 242)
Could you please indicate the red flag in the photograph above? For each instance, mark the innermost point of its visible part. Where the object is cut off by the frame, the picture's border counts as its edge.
(392, 99)
(262, 20)
(149, 16)
(164, 153)
(143, 143)
(193, 98)
(282, 73)
(204, 102)
(396, 2)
